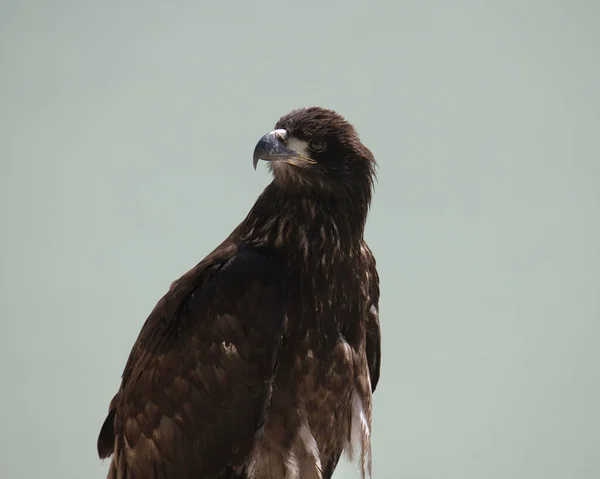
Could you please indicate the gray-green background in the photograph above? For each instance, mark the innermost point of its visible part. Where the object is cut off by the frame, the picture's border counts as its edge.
(126, 135)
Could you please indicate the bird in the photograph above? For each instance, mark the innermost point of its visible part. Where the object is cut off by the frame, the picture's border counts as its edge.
(261, 361)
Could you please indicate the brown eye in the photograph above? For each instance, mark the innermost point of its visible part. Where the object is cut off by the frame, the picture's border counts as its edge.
(317, 145)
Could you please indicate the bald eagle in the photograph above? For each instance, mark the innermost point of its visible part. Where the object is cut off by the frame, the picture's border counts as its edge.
(260, 362)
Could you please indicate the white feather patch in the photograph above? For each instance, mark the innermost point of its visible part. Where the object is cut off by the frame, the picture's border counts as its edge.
(307, 452)
(360, 436)
(301, 461)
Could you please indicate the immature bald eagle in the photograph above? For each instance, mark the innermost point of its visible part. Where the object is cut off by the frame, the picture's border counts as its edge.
(260, 361)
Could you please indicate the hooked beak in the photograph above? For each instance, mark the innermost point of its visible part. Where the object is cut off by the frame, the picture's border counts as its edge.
(272, 147)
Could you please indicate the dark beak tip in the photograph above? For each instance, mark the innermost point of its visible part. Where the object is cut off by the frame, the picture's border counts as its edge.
(270, 148)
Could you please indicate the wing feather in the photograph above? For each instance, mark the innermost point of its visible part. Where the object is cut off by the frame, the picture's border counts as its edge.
(198, 380)
(373, 329)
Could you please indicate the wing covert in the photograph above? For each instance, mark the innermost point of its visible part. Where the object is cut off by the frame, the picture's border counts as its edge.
(198, 380)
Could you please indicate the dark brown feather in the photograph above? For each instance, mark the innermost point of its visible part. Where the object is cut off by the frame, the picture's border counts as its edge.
(373, 328)
(208, 390)
(198, 381)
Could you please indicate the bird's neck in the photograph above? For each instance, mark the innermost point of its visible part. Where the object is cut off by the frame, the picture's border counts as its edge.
(312, 225)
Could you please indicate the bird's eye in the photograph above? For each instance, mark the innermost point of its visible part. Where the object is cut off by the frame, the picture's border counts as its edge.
(317, 145)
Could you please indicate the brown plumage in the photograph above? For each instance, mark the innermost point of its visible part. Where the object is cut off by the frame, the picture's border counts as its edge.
(260, 362)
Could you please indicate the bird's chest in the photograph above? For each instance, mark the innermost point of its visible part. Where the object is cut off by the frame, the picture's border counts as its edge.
(310, 418)
(323, 336)
(319, 368)
(325, 382)
(311, 399)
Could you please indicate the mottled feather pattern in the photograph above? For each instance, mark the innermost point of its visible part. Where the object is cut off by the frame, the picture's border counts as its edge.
(260, 362)
(192, 382)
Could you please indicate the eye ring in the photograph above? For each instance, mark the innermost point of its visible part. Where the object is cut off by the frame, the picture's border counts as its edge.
(317, 145)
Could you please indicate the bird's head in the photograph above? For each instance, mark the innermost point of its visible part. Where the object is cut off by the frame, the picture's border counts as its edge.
(317, 148)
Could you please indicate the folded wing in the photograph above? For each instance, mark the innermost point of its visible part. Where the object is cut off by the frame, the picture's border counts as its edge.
(198, 381)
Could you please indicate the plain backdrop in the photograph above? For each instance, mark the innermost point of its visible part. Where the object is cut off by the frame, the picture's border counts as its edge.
(126, 139)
